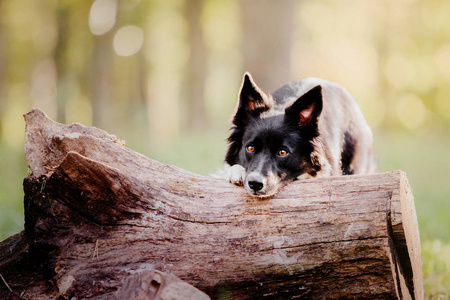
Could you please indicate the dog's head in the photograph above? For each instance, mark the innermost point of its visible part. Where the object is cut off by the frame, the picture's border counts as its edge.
(274, 146)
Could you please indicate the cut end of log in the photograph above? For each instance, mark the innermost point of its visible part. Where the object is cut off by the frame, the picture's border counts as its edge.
(158, 286)
(47, 142)
(99, 214)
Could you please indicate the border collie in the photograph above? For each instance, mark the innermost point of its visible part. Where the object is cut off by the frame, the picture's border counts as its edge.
(305, 129)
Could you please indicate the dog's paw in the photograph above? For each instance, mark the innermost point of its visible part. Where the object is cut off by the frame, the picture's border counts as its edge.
(234, 174)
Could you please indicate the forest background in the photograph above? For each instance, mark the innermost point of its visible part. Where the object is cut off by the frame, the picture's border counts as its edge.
(164, 75)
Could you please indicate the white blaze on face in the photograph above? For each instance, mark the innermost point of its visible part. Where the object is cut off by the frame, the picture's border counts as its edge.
(271, 183)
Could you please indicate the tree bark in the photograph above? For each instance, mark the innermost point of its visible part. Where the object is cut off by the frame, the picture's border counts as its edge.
(97, 213)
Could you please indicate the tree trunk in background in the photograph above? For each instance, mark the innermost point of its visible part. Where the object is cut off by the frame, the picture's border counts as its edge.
(268, 28)
(2, 73)
(62, 86)
(101, 85)
(129, 100)
(196, 68)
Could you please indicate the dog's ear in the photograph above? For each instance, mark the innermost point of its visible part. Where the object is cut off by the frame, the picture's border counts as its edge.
(252, 100)
(306, 109)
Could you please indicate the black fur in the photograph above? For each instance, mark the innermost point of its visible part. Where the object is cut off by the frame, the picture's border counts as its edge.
(348, 150)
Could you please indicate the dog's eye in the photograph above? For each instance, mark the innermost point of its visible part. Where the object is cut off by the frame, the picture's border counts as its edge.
(282, 152)
(250, 149)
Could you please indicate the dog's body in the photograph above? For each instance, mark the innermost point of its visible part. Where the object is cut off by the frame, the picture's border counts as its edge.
(308, 128)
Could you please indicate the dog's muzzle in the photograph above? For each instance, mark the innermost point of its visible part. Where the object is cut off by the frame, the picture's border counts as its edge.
(255, 182)
(262, 186)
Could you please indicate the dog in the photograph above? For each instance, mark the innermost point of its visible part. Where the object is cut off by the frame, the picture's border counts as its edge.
(305, 129)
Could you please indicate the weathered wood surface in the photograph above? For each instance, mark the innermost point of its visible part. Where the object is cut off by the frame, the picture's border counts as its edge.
(97, 213)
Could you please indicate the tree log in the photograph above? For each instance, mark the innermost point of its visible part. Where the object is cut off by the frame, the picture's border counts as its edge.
(97, 213)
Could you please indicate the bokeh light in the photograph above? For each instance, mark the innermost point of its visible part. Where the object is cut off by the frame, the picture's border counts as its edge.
(442, 101)
(411, 111)
(102, 16)
(399, 71)
(442, 61)
(128, 40)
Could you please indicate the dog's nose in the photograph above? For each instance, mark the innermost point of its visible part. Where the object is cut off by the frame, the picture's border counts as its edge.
(255, 181)
(255, 185)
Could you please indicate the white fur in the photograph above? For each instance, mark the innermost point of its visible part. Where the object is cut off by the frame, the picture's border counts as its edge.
(234, 174)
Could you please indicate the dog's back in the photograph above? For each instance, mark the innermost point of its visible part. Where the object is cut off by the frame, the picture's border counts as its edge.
(345, 140)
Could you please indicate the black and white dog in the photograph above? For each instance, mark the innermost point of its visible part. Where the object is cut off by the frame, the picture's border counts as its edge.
(308, 128)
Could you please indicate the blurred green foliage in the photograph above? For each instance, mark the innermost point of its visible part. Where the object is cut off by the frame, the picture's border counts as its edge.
(13, 169)
(164, 76)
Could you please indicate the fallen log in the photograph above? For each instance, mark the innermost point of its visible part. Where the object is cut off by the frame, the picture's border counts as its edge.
(98, 213)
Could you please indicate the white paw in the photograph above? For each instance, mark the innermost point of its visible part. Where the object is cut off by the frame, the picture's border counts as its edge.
(234, 174)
